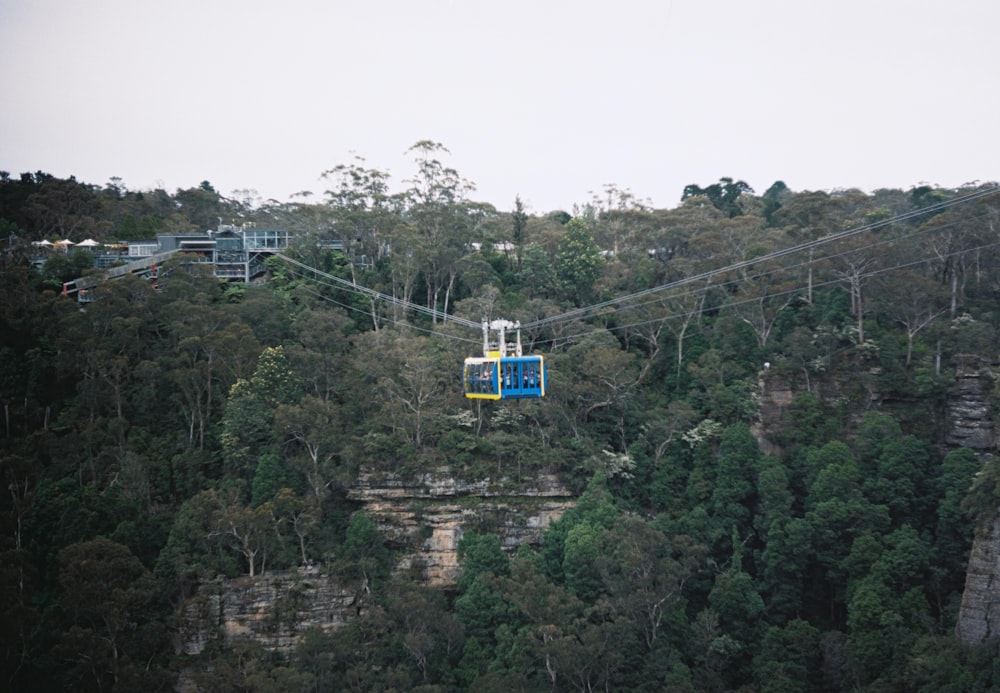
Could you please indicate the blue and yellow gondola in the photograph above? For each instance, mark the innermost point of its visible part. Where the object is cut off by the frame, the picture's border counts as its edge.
(503, 372)
(508, 377)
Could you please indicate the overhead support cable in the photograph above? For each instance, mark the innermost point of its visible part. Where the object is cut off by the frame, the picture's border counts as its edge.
(685, 281)
(776, 255)
(378, 295)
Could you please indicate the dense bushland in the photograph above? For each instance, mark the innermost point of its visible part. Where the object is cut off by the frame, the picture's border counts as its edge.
(157, 437)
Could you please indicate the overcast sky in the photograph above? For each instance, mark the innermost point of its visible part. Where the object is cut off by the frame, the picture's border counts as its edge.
(546, 99)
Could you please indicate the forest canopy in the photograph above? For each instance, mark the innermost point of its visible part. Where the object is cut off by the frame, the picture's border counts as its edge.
(163, 435)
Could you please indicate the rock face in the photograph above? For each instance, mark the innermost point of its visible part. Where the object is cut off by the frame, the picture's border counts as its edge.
(274, 609)
(979, 615)
(971, 424)
(426, 516)
(774, 396)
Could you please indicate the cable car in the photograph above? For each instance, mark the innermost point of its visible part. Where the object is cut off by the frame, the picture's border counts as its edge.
(503, 372)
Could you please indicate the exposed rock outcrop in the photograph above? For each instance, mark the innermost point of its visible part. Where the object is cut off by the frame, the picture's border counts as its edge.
(274, 609)
(775, 395)
(971, 423)
(423, 517)
(979, 616)
(426, 516)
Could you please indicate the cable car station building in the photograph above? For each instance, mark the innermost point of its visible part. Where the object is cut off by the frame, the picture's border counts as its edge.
(235, 253)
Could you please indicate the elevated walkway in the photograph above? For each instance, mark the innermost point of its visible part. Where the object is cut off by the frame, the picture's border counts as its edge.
(144, 265)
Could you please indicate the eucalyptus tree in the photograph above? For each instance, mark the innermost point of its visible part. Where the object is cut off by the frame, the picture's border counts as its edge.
(605, 381)
(761, 296)
(537, 274)
(106, 348)
(856, 261)
(203, 207)
(410, 378)
(961, 242)
(109, 599)
(578, 263)
(723, 195)
(684, 308)
(250, 530)
(248, 424)
(312, 224)
(620, 219)
(320, 341)
(912, 300)
(519, 225)
(439, 214)
(65, 208)
(644, 571)
(313, 431)
(362, 212)
(808, 216)
(210, 350)
(682, 242)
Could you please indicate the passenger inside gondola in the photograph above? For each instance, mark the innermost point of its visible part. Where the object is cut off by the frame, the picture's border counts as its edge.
(486, 376)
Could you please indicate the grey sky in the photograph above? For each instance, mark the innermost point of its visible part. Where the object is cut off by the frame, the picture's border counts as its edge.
(548, 99)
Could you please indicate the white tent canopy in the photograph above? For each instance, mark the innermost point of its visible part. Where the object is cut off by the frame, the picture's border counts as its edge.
(89, 243)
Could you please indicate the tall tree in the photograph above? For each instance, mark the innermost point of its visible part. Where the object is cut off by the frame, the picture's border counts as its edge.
(519, 224)
(109, 596)
(578, 262)
(723, 195)
(439, 209)
(362, 211)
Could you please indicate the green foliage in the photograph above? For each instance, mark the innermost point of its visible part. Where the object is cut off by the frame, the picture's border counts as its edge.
(984, 494)
(941, 663)
(594, 507)
(809, 423)
(723, 195)
(580, 553)
(789, 659)
(364, 555)
(538, 274)
(206, 430)
(735, 601)
(194, 548)
(108, 597)
(270, 477)
(64, 267)
(478, 554)
(955, 529)
(578, 262)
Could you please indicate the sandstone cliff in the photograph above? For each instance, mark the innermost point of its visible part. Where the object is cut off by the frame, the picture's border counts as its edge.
(426, 516)
(970, 423)
(970, 405)
(979, 616)
(274, 609)
(422, 517)
(972, 426)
